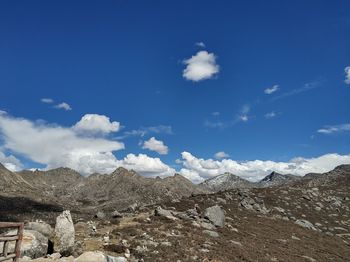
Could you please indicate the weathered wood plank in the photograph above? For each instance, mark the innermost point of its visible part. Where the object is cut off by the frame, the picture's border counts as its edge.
(8, 238)
(19, 242)
(11, 256)
(6, 247)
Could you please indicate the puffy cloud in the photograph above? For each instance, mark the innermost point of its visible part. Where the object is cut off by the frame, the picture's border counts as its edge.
(63, 106)
(94, 123)
(47, 100)
(155, 145)
(221, 154)
(271, 90)
(347, 75)
(146, 166)
(270, 115)
(10, 162)
(198, 169)
(200, 66)
(56, 146)
(334, 129)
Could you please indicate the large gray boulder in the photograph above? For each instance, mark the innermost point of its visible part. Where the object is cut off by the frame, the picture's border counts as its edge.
(42, 227)
(34, 244)
(64, 234)
(215, 215)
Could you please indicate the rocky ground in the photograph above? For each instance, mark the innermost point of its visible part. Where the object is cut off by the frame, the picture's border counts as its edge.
(308, 220)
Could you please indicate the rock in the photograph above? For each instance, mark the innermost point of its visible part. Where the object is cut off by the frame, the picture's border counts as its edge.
(237, 243)
(211, 233)
(116, 214)
(206, 225)
(64, 234)
(132, 208)
(42, 227)
(34, 244)
(305, 223)
(249, 203)
(92, 256)
(216, 215)
(100, 215)
(221, 201)
(164, 213)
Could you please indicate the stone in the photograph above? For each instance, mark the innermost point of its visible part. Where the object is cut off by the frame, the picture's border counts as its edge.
(34, 244)
(92, 256)
(216, 215)
(164, 213)
(42, 227)
(64, 234)
(100, 215)
(306, 224)
(116, 214)
(211, 233)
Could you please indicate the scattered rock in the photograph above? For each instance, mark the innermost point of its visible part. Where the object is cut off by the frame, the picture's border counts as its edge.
(305, 223)
(211, 233)
(216, 215)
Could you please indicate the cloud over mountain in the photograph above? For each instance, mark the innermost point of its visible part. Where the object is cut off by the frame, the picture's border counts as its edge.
(199, 169)
(56, 146)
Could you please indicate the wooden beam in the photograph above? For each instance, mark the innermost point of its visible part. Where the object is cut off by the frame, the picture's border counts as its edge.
(8, 238)
(11, 256)
(19, 242)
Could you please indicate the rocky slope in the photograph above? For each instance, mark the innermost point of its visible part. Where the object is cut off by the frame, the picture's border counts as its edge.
(276, 179)
(225, 182)
(68, 189)
(307, 220)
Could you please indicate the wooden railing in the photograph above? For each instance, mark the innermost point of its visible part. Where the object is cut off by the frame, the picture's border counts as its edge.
(6, 254)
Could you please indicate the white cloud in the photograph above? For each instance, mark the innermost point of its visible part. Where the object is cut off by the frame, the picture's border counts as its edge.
(63, 106)
(347, 75)
(215, 113)
(146, 166)
(220, 155)
(293, 92)
(200, 66)
(198, 169)
(270, 115)
(155, 145)
(10, 162)
(334, 129)
(200, 44)
(94, 123)
(271, 90)
(244, 113)
(47, 100)
(57, 146)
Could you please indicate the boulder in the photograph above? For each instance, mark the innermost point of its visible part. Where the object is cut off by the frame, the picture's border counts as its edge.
(164, 213)
(42, 227)
(216, 215)
(211, 233)
(64, 235)
(116, 214)
(92, 256)
(34, 244)
(100, 215)
(305, 223)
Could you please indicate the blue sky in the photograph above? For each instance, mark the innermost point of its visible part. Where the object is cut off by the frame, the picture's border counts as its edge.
(126, 59)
